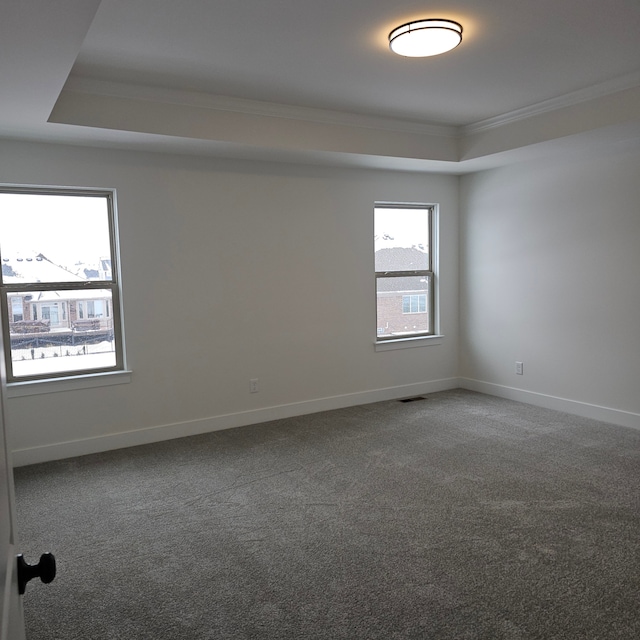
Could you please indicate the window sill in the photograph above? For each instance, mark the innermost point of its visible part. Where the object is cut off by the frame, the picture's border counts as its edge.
(37, 387)
(408, 343)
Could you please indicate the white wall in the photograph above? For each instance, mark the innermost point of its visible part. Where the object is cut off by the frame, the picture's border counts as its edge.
(234, 271)
(550, 267)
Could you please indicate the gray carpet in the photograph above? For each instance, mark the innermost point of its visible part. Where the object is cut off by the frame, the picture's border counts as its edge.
(460, 516)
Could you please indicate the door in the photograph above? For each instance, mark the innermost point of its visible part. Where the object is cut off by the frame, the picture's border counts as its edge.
(11, 621)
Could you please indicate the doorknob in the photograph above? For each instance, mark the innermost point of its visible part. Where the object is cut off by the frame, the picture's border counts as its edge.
(45, 570)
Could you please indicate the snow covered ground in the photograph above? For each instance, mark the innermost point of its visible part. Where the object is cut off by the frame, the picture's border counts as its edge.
(62, 358)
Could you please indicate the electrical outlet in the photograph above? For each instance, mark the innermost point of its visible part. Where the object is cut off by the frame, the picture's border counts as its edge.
(519, 368)
(253, 385)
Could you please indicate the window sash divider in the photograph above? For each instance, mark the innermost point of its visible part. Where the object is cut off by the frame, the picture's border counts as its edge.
(403, 274)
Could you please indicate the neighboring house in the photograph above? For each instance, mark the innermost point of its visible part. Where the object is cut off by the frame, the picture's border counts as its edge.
(402, 301)
(99, 271)
(64, 316)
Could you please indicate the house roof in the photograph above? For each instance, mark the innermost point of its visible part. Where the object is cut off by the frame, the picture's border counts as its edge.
(401, 259)
(94, 271)
(402, 285)
(34, 268)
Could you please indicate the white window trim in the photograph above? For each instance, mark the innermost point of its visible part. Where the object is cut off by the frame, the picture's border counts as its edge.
(88, 379)
(435, 339)
(408, 343)
(70, 383)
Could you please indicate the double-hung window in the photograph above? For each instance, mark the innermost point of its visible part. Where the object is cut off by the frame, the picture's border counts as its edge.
(59, 287)
(403, 239)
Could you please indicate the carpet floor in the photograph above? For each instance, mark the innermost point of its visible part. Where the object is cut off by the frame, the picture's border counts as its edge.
(459, 516)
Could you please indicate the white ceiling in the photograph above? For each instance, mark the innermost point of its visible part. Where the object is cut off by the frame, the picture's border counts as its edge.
(315, 80)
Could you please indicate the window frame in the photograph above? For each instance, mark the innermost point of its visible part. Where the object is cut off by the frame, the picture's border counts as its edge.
(113, 286)
(429, 274)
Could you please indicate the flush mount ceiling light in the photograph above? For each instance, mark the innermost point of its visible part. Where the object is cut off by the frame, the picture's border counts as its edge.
(423, 38)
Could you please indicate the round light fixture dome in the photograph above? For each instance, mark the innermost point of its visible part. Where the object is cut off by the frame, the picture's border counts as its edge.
(424, 38)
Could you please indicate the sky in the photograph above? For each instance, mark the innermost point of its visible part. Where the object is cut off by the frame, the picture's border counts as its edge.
(407, 227)
(65, 229)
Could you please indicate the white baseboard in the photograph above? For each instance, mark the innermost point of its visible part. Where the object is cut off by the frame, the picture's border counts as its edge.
(583, 409)
(108, 442)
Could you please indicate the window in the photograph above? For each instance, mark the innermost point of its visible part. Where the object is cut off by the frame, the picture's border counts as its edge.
(403, 240)
(59, 294)
(414, 304)
(17, 309)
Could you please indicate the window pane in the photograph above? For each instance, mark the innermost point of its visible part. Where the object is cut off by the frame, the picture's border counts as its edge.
(54, 238)
(17, 309)
(402, 305)
(52, 337)
(401, 239)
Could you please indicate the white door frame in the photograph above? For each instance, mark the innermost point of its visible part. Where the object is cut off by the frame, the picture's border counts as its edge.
(11, 618)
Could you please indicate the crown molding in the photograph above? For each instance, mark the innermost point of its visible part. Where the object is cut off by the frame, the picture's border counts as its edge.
(203, 119)
(95, 86)
(573, 98)
(214, 102)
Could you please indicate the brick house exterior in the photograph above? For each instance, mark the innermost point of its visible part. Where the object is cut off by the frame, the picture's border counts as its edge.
(402, 302)
(53, 313)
